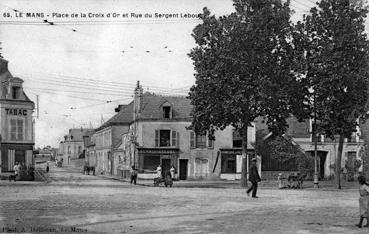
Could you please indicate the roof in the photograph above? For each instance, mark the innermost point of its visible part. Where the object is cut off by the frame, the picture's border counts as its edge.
(78, 133)
(124, 116)
(151, 106)
(6, 76)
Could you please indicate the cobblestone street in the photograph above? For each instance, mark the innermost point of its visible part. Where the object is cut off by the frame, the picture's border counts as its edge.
(72, 202)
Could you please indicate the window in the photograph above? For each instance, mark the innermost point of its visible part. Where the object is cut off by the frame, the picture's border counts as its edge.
(15, 92)
(79, 149)
(166, 112)
(228, 163)
(151, 162)
(69, 149)
(200, 141)
(166, 138)
(16, 129)
(237, 139)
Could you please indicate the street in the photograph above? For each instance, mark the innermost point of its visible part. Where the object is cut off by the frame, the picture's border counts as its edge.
(72, 202)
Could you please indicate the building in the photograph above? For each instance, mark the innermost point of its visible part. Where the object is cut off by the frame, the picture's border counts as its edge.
(73, 145)
(16, 123)
(108, 136)
(327, 149)
(159, 134)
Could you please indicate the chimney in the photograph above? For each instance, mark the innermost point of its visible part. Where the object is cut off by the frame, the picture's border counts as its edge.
(86, 140)
(3, 66)
(120, 107)
(138, 97)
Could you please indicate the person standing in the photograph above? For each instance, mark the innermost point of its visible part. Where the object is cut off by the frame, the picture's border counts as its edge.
(16, 169)
(172, 171)
(363, 201)
(133, 175)
(254, 178)
(158, 172)
(47, 167)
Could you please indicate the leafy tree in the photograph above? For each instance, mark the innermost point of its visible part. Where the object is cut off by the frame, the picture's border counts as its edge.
(244, 65)
(335, 46)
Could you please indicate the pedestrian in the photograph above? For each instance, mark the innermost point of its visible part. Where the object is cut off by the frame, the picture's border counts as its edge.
(158, 172)
(254, 178)
(133, 175)
(16, 169)
(47, 167)
(172, 171)
(363, 201)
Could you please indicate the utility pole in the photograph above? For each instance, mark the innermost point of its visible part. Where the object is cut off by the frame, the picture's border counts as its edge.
(38, 107)
(315, 139)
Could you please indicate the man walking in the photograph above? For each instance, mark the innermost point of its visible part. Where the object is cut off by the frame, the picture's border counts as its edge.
(254, 178)
(133, 175)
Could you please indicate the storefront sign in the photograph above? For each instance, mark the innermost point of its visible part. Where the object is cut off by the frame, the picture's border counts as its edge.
(21, 112)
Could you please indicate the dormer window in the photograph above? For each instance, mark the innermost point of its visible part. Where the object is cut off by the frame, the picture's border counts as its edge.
(167, 112)
(16, 92)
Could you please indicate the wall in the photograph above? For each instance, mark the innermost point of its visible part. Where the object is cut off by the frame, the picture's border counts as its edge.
(27, 121)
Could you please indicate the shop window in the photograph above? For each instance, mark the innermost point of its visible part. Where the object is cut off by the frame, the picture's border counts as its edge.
(15, 92)
(16, 130)
(151, 162)
(228, 163)
(200, 141)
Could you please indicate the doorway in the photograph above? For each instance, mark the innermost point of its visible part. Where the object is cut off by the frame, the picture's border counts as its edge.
(20, 156)
(183, 169)
(165, 166)
(322, 156)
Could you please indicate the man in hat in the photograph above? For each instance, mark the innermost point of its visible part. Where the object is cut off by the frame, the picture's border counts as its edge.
(254, 178)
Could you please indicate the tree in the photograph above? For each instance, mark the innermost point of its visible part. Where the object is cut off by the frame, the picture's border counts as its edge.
(244, 65)
(335, 46)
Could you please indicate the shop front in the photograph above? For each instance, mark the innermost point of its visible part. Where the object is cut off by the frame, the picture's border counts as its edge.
(231, 163)
(16, 153)
(150, 158)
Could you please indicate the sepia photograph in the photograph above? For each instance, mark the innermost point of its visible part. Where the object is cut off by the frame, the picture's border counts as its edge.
(184, 116)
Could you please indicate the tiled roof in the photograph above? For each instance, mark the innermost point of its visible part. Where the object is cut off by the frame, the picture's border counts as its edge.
(124, 116)
(78, 133)
(151, 106)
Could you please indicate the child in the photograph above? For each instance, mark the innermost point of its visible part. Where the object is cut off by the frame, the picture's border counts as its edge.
(363, 201)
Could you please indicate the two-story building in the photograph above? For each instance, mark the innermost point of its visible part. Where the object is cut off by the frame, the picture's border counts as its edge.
(108, 136)
(16, 122)
(160, 136)
(73, 146)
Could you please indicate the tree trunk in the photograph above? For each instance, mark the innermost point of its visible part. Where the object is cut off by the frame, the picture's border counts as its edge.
(338, 161)
(244, 157)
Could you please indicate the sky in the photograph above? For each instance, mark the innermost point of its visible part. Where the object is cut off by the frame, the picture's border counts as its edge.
(81, 68)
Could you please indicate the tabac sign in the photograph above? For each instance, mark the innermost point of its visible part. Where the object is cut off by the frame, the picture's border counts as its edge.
(21, 112)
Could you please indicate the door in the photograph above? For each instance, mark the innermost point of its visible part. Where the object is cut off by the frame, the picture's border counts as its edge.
(201, 167)
(183, 169)
(165, 166)
(20, 156)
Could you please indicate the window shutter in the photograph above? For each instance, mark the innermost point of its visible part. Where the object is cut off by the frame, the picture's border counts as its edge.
(174, 138)
(177, 139)
(156, 138)
(192, 139)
